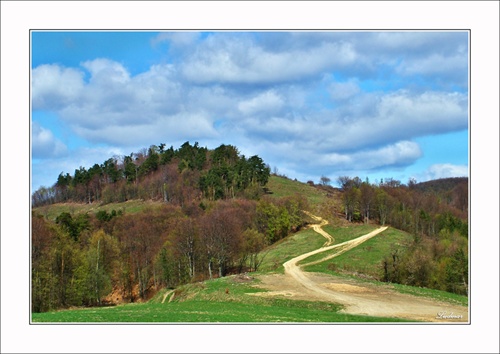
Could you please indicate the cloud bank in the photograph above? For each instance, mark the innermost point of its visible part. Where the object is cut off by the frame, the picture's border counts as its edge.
(313, 102)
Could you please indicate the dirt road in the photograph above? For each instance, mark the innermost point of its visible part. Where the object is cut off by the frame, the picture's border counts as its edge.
(357, 297)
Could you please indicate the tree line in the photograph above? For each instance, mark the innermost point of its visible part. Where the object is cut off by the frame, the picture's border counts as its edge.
(176, 176)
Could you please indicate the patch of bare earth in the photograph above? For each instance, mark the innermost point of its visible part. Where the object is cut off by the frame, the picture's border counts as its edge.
(358, 298)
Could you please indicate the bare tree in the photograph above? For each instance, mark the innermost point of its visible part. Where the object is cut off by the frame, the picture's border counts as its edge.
(186, 240)
(325, 181)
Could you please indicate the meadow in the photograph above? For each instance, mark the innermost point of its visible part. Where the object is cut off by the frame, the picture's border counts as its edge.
(223, 300)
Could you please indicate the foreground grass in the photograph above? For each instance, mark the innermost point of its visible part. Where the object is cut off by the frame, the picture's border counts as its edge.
(222, 300)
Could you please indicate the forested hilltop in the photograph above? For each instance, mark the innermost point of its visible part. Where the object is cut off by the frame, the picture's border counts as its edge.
(177, 176)
(207, 213)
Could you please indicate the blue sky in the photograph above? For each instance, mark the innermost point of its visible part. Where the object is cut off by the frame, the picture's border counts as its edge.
(367, 104)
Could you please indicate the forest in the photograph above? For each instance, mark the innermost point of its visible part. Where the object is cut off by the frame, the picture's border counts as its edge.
(214, 215)
(213, 219)
(435, 213)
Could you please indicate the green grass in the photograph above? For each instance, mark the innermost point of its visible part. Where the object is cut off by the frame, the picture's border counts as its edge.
(277, 311)
(283, 187)
(365, 258)
(342, 234)
(288, 248)
(432, 293)
(210, 303)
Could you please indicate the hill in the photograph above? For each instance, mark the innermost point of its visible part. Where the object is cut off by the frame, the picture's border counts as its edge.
(121, 231)
(184, 175)
(442, 184)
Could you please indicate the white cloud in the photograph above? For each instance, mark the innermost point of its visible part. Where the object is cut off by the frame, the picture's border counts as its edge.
(178, 39)
(344, 90)
(402, 153)
(44, 144)
(444, 170)
(54, 87)
(366, 122)
(239, 60)
(160, 129)
(116, 108)
(454, 71)
(382, 118)
(268, 102)
(106, 72)
(276, 98)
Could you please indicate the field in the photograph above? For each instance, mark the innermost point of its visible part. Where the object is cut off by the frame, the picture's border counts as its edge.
(224, 300)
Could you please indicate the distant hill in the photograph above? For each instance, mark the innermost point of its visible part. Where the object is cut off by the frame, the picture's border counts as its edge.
(442, 184)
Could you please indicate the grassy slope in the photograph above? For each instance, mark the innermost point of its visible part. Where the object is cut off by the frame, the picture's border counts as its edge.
(366, 260)
(288, 248)
(131, 206)
(367, 257)
(210, 302)
(283, 187)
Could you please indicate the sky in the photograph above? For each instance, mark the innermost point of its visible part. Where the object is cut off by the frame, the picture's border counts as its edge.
(372, 104)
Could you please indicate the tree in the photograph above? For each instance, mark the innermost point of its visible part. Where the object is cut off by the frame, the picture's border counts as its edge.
(67, 270)
(325, 181)
(351, 203)
(366, 200)
(221, 237)
(151, 163)
(457, 273)
(344, 182)
(186, 239)
(254, 243)
(260, 172)
(42, 280)
(130, 169)
(102, 262)
(62, 186)
(382, 205)
(73, 226)
(110, 171)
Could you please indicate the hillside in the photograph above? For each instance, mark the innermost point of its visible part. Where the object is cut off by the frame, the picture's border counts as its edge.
(125, 230)
(442, 184)
(268, 296)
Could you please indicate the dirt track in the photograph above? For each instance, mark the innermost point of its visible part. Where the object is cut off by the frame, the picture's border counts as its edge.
(358, 297)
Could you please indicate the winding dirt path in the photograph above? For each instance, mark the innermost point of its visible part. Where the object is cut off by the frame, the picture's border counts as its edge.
(358, 297)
